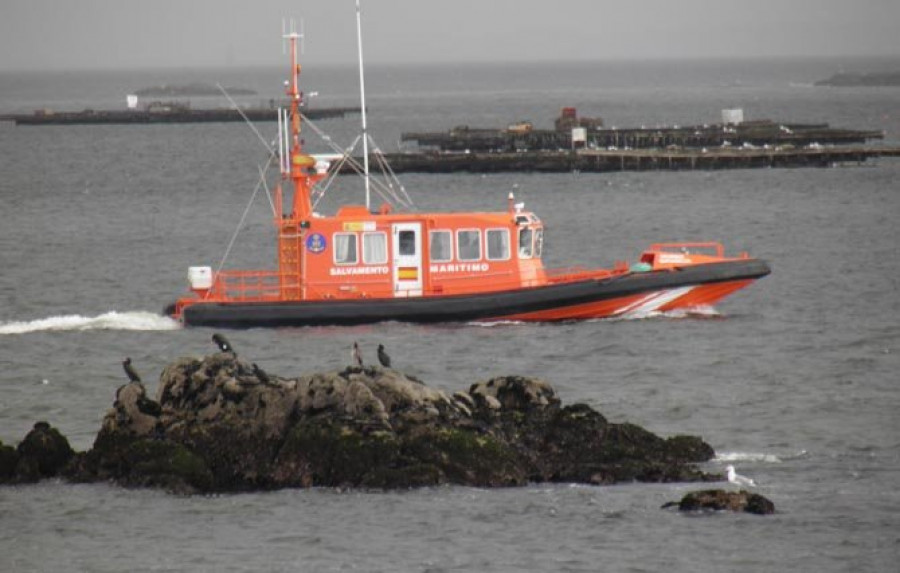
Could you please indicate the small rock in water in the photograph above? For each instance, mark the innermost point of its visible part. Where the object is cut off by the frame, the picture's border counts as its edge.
(719, 500)
(43, 453)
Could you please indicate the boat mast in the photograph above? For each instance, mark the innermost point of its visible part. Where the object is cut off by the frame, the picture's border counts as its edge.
(362, 97)
(299, 162)
(300, 169)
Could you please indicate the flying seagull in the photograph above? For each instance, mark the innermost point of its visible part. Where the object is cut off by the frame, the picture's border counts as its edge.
(356, 355)
(130, 371)
(738, 479)
(383, 357)
(223, 343)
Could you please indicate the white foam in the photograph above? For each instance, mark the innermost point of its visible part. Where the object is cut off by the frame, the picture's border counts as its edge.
(693, 312)
(746, 457)
(760, 457)
(678, 313)
(495, 323)
(134, 320)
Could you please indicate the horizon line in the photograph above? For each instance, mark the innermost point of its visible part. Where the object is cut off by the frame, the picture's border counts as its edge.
(449, 63)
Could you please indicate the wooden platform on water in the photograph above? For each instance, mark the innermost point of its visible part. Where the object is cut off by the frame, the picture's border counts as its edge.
(752, 134)
(599, 161)
(174, 115)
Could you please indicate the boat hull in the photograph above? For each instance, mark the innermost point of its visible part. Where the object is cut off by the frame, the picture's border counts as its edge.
(631, 293)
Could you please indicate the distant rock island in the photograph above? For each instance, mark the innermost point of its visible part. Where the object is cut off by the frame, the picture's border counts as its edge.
(192, 89)
(873, 79)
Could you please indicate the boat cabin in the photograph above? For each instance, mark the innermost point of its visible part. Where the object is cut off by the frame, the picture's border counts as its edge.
(358, 254)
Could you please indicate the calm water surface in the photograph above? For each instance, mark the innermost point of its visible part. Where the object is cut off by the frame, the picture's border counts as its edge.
(794, 380)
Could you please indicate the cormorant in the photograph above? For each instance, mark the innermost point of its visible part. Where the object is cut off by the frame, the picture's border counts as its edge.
(223, 343)
(383, 357)
(260, 374)
(356, 355)
(147, 406)
(130, 371)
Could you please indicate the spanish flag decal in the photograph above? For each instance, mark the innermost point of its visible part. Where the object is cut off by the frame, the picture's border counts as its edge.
(408, 273)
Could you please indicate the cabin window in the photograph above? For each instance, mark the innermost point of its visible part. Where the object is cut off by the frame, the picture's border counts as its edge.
(441, 249)
(374, 248)
(525, 243)
(538, 242)
(407, 243)
(345, 249)
(468, 245)
(497, 244)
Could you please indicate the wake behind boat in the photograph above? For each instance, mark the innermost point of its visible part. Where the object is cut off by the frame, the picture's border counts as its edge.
(363, 266)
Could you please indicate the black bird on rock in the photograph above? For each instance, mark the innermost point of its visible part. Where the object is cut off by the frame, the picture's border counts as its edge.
(356, 355)
(383, 357)
(147, 406)
(223, 343)
(261, 374)
(130, 371)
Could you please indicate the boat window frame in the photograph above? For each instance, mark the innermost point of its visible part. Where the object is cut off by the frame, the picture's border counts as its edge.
(402, 243)
(538, 242)
(477, 232)
(334, 242)
(487, 244)
(529, 254)
(383, 236)
(431, 234)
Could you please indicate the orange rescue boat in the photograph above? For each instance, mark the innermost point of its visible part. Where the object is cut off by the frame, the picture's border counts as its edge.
(362, 266)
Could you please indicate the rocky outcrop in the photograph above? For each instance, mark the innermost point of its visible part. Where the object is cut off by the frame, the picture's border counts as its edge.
(220, 424)
(42, 454)
(722, 500)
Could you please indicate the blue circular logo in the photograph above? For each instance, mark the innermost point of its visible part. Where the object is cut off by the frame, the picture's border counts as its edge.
(316, 243)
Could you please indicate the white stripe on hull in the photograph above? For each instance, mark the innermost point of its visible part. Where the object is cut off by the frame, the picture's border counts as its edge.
(652, 302)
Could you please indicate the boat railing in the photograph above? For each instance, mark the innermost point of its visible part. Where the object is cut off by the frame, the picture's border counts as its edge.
(576, 273)
(688, 247)
(248, 285)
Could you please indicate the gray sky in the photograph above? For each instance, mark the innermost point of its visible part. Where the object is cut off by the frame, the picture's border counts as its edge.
(90, 34)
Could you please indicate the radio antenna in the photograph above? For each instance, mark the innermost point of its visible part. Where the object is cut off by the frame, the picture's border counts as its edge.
(302, 39)
(362, 98)
(288, 30)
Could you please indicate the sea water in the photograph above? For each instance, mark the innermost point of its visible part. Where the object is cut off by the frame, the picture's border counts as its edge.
(793, 380)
